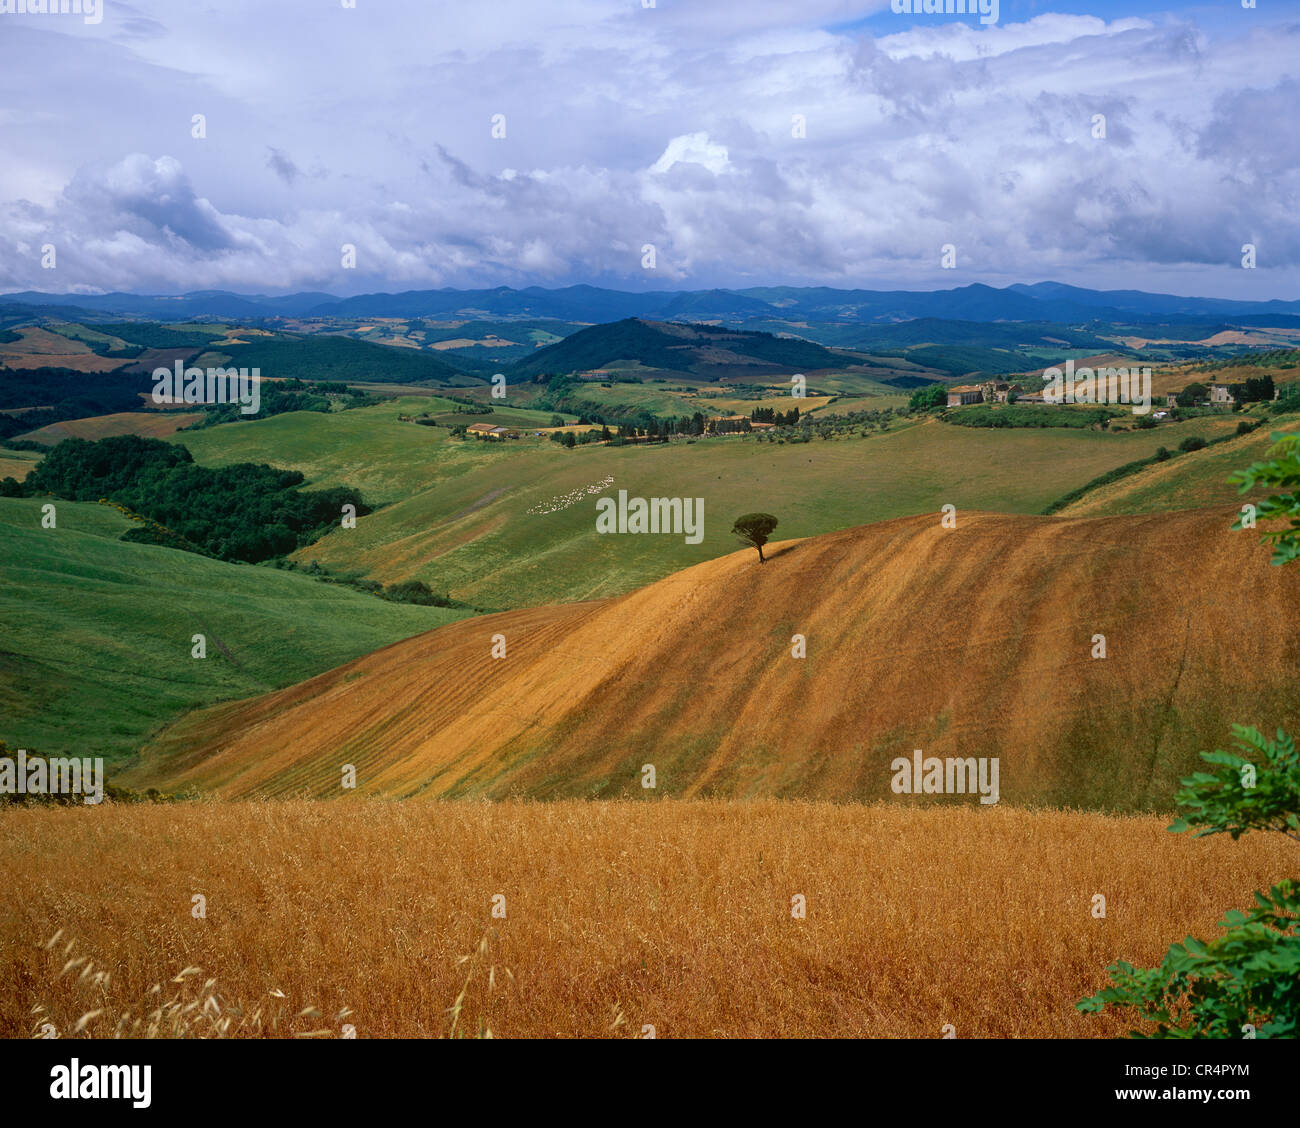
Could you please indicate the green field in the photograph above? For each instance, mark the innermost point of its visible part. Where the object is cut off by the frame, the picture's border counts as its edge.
(498, 416)
(870, 381)
(671, 399)
(85, 334)
(1186, 481)
(97, 633)
(368, 447)
(848, 404)
(661, 398)
(456, 514)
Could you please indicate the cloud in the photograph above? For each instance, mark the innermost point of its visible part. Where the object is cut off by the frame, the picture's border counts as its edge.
(628, 126)
(282, 165)
(696, 149)
(152, 199)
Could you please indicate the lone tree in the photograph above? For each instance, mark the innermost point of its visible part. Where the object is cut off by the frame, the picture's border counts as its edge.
(754, 529)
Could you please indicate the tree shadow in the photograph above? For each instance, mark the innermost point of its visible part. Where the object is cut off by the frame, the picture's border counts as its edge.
(773, 553)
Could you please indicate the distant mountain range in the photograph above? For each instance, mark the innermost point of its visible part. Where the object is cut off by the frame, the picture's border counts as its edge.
(1040, 302)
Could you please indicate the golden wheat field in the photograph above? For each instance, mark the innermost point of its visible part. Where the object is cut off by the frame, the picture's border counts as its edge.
(618, 916)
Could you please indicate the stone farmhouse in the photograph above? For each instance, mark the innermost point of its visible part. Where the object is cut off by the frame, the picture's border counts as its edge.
(990, 391)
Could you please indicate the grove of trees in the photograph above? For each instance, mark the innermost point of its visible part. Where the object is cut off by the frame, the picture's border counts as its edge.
(243, 512)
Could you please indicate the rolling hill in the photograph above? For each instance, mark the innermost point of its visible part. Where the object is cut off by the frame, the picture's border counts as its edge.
(328, 357)
(150, 424)
(703, 351)
(494, 343)
(482, 521)
(1191, 480)
(17, 464)
(69, 381)
(973, 642)
(34, 348)
(34, 398)
(95, 633)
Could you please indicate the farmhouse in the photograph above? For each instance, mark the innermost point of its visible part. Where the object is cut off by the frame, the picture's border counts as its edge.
(990, 391)
(997, 391)
(1222, 393)
(487, 431)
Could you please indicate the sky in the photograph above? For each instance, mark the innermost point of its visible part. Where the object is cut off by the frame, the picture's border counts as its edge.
(551, 142)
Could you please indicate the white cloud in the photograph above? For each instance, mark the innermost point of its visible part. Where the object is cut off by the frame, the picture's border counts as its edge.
(628, 126)
(693, 148)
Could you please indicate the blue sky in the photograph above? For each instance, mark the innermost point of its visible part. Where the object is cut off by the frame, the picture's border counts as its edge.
(823, 142)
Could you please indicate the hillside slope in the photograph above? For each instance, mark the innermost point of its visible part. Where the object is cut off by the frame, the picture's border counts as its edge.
(705, 351)
(96, 634)
(149, 424)
(483, 520)
(1189, 481)
(975, 641)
